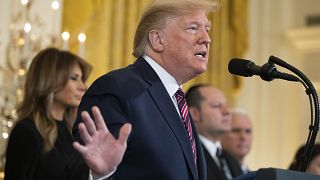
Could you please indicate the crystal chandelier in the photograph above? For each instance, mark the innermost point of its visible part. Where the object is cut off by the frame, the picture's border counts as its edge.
(28, 34)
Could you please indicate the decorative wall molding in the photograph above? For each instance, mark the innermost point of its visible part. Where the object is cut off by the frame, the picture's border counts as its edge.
(305, 39)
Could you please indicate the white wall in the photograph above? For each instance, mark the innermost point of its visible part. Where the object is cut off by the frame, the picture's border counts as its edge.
(279, 109)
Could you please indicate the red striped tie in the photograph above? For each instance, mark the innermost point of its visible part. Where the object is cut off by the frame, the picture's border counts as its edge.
(183, 108)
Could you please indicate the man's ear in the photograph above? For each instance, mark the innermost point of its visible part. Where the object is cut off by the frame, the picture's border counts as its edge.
(195, 114)
(156, 41)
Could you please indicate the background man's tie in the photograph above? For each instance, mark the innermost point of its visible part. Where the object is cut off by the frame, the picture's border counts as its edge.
(223, 164)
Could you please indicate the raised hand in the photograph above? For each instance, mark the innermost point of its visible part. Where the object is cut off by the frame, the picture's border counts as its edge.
(101, 151)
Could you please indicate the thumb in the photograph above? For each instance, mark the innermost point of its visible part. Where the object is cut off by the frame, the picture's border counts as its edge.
(124, 134)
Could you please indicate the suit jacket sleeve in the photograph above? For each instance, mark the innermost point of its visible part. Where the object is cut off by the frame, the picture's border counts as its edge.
(105, 94)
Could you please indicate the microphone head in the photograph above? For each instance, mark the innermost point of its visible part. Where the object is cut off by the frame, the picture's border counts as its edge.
(240, 67)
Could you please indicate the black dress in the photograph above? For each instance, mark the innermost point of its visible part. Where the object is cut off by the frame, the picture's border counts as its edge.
(25, 158)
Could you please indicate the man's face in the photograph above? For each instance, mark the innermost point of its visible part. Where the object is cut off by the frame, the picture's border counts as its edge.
(214, 115)
(238, 140)
(186, 45)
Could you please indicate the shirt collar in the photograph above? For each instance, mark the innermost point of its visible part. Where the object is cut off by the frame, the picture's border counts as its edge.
(210, 145)
(167, 79)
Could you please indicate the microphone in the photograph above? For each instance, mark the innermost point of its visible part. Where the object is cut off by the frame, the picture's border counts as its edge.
(267, 72)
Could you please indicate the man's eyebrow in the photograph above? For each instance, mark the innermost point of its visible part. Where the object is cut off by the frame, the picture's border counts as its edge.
(208, 23)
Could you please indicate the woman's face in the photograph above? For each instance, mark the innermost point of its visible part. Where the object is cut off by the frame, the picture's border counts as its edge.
(70, 95)
(314, 166)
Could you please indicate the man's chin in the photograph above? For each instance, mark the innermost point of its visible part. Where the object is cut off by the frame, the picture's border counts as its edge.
(202, 70)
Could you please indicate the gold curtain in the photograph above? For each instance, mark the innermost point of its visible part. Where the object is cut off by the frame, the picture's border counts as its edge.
(110, 26)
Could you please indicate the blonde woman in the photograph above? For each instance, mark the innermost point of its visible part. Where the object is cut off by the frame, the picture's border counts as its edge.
(40, 144)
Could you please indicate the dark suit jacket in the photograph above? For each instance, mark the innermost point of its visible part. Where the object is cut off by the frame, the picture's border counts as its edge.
(158, 146)
(214, 172)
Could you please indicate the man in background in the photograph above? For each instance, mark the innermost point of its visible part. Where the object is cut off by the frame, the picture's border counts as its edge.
(238, 141)
(209, 110)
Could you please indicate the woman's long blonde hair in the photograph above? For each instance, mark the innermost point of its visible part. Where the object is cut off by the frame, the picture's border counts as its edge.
(50, 70)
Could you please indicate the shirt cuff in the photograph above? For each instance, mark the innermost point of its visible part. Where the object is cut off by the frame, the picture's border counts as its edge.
(103, 177)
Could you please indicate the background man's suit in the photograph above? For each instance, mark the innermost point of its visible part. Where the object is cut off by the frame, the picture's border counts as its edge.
(158, 146)
(214, 173)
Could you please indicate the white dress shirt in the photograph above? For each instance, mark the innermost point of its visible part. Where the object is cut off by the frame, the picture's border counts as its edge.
(169, 82)
(211, 147)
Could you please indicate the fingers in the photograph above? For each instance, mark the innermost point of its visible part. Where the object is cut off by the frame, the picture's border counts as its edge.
(124, 134)
(98, 118)
(81, 149)
(89, 127)
(84, 134)
(89, 123)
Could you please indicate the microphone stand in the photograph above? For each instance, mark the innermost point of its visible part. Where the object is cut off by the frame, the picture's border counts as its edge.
(312, 94)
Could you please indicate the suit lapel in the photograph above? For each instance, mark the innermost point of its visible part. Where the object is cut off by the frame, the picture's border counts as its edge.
(212, 168)
(233, 164)
(202, 168)
(166, 107)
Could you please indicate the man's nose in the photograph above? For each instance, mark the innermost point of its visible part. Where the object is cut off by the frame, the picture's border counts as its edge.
(205, 37)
